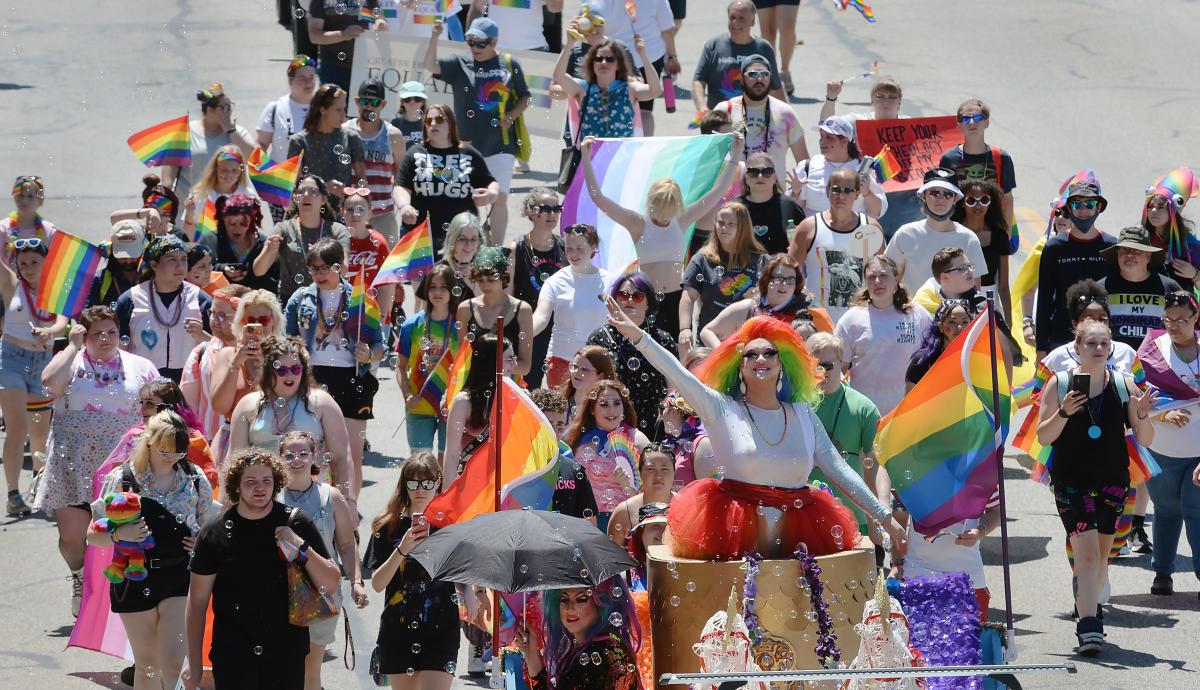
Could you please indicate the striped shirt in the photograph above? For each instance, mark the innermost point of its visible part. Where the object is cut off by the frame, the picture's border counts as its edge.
(381, 166)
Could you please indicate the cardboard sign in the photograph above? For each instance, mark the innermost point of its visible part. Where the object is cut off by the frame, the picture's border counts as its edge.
(917, 143)
(396, 59)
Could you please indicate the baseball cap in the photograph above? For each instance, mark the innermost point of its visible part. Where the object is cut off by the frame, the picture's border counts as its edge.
(164, 244)
(940, 178)
(838, 126)
(128, 240)
(372, 88)
(413, 89)
(484, 28)
(756, 59)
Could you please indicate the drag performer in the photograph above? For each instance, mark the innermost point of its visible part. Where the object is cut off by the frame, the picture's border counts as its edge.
(754, 395)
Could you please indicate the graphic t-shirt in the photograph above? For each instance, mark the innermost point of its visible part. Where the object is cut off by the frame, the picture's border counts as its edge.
(412, 131)
(441, 181)
(914, 244)
(366, 254)
(1136, 308)
(771, 220)
(484, 92)
(980, 166)
(718, 285)
(877, 345)
(770, 128)
(720, 66)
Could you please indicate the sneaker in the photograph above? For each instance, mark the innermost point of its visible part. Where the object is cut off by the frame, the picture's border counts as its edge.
(34, 484)
(1090, 634)
(127, 675)
(1163, 586)
(76, 591)
(1143, 544)
(17, 506)
(786, 77)
(475, 665)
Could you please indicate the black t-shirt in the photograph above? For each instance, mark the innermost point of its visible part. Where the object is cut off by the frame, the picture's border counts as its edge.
(531, 268)
(981, 166)
(1136, 308)
(412, 598)
(1084, 462)
(770, 220)
(124, 308)
(226, 254)
(573, 493)
(339, 15)
(441, 181)
(412, 131)
(998, 246)
(250, 593)
(1065, 261)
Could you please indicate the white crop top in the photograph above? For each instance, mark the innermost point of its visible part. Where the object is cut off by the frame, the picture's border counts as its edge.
(658, 244)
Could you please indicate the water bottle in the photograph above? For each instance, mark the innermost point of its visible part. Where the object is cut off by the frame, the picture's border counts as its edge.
(669, 93)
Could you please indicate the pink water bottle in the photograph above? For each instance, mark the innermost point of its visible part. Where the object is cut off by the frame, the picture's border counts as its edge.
(669, 93)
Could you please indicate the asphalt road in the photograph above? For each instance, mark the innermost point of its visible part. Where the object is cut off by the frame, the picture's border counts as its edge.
(1071, 84)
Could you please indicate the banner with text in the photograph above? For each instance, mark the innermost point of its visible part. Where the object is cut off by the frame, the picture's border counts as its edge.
(396, 59)
(916, 142)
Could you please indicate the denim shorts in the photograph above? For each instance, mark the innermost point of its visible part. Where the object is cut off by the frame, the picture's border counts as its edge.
(421, 429)
(22, 369)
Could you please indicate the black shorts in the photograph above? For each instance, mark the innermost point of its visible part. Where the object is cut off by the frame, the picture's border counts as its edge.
(165, 578)
(767, 4)
(354, 393)
(648, 106)
(1085, 509)
(678, 8)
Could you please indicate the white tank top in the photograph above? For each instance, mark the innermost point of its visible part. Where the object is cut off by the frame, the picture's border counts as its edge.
(834, 267)
(156, 331)
(20, 317)
(658, 244)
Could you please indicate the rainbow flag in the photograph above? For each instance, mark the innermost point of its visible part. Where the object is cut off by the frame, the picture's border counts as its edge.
(364, 318)
(412, 257)
(864, 10)
(626, 168)
(939, 444)
(208, 219)
(457, 377)
(68, 272)
(518, 4)
(368, 15)
(528, 467)
(274, 181)
(432, 382)
(167, 143)
(886, 164)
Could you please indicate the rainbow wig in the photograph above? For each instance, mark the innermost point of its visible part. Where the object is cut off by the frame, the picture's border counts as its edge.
(1176, 186)
(721, 371)
(617, 619)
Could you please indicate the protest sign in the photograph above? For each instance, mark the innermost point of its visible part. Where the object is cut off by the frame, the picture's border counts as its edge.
(916, 142)
(396, 59)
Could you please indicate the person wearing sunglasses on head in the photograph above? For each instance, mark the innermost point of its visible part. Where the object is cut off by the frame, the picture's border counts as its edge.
(768, 123)
(215, 128)
(635, 293)
(537, 255)
(28, 193)
(974, 159)
(333, 28)
(914, 244)
(383, 146)
(490, 94)
(980, 213)
(1067, 259)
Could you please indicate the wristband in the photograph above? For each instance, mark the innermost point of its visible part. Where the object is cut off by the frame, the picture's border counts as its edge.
(302, 552)
(831, 100)
(231, 130)
(1143, 417)
(1063, 413)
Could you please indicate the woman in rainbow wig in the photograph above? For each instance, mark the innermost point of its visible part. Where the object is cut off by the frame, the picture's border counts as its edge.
(754, 395)
(1169, 230)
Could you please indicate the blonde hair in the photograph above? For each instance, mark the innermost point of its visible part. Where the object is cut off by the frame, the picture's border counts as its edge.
(258, 298)
(208, 179)
(167, 432)
(665, 198)
(820, 341)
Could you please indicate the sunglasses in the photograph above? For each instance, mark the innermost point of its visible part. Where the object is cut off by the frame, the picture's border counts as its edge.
(783, 280)
(260, 320)
(605, 58)
(546, 209)
(768, 353)
(477, 45)
(1098, 299)
(1173, 300)
(370, 102)
(842, 190)
(970, 119)
(435, 120)
(760, 172)
(293, 457)
(984, 200)
(1089, 204)
(427, 484)
(965, 268)
(941, 194)
(756, 74)
(827, 366)
(294, 370)
(635, 297)
(27, 243)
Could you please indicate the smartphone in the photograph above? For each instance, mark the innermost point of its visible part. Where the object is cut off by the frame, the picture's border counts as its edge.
(253, 333)
(1082, 383)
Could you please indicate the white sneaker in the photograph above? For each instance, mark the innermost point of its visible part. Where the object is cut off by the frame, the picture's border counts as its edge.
(76, 591)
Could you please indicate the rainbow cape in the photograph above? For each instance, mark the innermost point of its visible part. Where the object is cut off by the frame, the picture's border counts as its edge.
(68, 272)
(626, 168)
(528, 467)
(939, 444)
(273, 181)
(886, 165)
(412, 257)
(364, 318)
(167, 143)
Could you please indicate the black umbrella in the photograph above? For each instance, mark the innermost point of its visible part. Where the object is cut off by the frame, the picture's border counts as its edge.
(522, 551)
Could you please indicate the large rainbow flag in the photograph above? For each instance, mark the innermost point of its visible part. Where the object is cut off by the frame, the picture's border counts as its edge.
(528, 467)
(364, 320)
(167, 143)
(274, 181)
(626, 168)
(939, 444)
(70, 268)
(412, 257)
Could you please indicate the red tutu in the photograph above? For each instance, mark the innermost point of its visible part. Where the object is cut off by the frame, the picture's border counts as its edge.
(718, 519)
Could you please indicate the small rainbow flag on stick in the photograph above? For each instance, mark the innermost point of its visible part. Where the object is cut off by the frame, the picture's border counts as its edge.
(367, 14)
(208, 220)
(70, 268)
(364, 312)
(412, 257)
(886, 164)
(863, 9)
(274, 181)
(167, 143)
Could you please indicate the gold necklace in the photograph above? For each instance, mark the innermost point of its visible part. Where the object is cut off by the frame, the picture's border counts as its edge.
(759, 430)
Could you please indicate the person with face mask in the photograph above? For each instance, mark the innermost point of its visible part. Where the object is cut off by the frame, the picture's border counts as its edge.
(1068, 259)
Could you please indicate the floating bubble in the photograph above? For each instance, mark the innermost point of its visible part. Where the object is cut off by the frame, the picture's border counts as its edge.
(674, 601)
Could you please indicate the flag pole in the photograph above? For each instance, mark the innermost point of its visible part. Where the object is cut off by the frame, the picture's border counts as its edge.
(497, 412)
(1011, 652)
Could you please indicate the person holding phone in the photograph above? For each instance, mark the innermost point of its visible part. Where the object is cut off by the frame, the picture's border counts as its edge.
(418, 629)
(1083, 416)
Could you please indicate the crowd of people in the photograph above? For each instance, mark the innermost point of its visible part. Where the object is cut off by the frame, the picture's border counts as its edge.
(219, 380)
